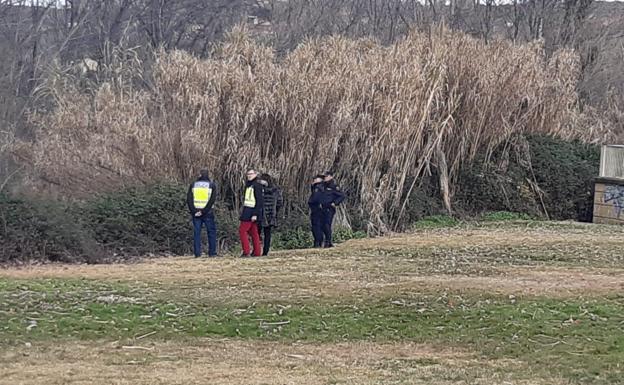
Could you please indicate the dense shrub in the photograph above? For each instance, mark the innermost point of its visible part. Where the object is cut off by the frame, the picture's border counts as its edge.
(133, 222)
(565, 172)
(538, 175)
(424, 201)
(151, 219)
(44, 230)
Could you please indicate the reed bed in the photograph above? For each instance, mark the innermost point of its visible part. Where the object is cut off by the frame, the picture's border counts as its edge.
(381, 116)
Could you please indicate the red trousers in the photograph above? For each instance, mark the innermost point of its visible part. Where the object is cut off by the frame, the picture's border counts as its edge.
(245, 230)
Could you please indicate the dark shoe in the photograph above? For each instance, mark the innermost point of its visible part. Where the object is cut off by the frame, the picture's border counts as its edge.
(327, 246)
(213, 256)
(198, 256)
(245, 256)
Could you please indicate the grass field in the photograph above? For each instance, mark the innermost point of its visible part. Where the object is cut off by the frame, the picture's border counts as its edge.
(491, 303)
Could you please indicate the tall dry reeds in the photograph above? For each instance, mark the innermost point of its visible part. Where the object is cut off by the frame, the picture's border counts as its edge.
(380, 116)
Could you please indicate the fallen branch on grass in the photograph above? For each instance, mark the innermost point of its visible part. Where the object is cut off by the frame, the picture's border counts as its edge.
(275, 323)
(136, 348)
(146, 335)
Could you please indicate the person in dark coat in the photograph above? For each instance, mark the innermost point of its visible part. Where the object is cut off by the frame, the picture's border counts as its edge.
(251, 215)
(200, 198)
(273, 202)
(316, 210)
(332, 197)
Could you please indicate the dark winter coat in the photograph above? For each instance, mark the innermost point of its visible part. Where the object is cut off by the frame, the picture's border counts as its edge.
(316, 198)
(273, 202)
(331, 194)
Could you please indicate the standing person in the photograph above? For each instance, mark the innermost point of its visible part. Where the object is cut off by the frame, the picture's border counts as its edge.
(331, 198)
(316, 210)
(251, 215)
(273, 202)
(200, 199)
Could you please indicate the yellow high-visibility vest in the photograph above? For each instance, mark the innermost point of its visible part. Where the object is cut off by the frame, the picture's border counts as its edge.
(250, 198)
(202, 191)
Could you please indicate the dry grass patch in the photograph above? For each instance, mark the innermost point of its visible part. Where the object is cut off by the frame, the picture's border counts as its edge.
(238, 362)
(320, 277)
(564, 261)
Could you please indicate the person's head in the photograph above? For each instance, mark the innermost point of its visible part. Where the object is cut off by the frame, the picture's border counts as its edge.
(251, 174)
(204, 174)
(328, 176)
(268, 179)
(318, 179)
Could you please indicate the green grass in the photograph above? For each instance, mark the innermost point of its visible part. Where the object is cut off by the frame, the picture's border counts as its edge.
(502, 216)
(442, 221)
(435, 221)
(580, 339)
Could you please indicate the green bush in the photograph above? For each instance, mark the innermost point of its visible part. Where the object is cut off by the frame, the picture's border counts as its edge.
(501, 216)
(566, 172)
(128, 223)
(45, 231)
(482, 188)
(154, 219)
(424, 201)
(301, 237)
(436, 221)
(538, 173)
(343, 234)
(151, 219)
(297, 238)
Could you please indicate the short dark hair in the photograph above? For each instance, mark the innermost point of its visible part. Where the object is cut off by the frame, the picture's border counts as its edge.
(267, 178)
(328, 173)
(319, 176)
(204, 173)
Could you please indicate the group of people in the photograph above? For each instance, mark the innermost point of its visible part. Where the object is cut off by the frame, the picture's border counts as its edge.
(325, 197)
(261, 202)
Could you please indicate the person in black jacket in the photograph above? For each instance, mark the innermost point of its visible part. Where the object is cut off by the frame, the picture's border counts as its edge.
(273, 202)
(331, 198)
(251, 215)
(316, 210)
(200, 198)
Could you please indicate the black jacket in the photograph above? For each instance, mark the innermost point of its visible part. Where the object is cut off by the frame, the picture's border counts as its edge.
(189, 198)
(256, 211)
(316, 197)
(331, 194)
(273, 202)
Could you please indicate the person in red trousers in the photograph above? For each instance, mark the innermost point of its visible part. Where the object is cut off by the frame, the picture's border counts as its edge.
(251, 215)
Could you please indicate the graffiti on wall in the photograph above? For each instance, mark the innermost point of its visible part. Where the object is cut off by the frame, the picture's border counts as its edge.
(614, 195)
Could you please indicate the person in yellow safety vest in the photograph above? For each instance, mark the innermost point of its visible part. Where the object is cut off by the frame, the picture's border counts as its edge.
(200, 199)
(251, 215)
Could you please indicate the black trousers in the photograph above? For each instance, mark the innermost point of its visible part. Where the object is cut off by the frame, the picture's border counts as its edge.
(316, 222)
(266, 238)
(328, 220)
